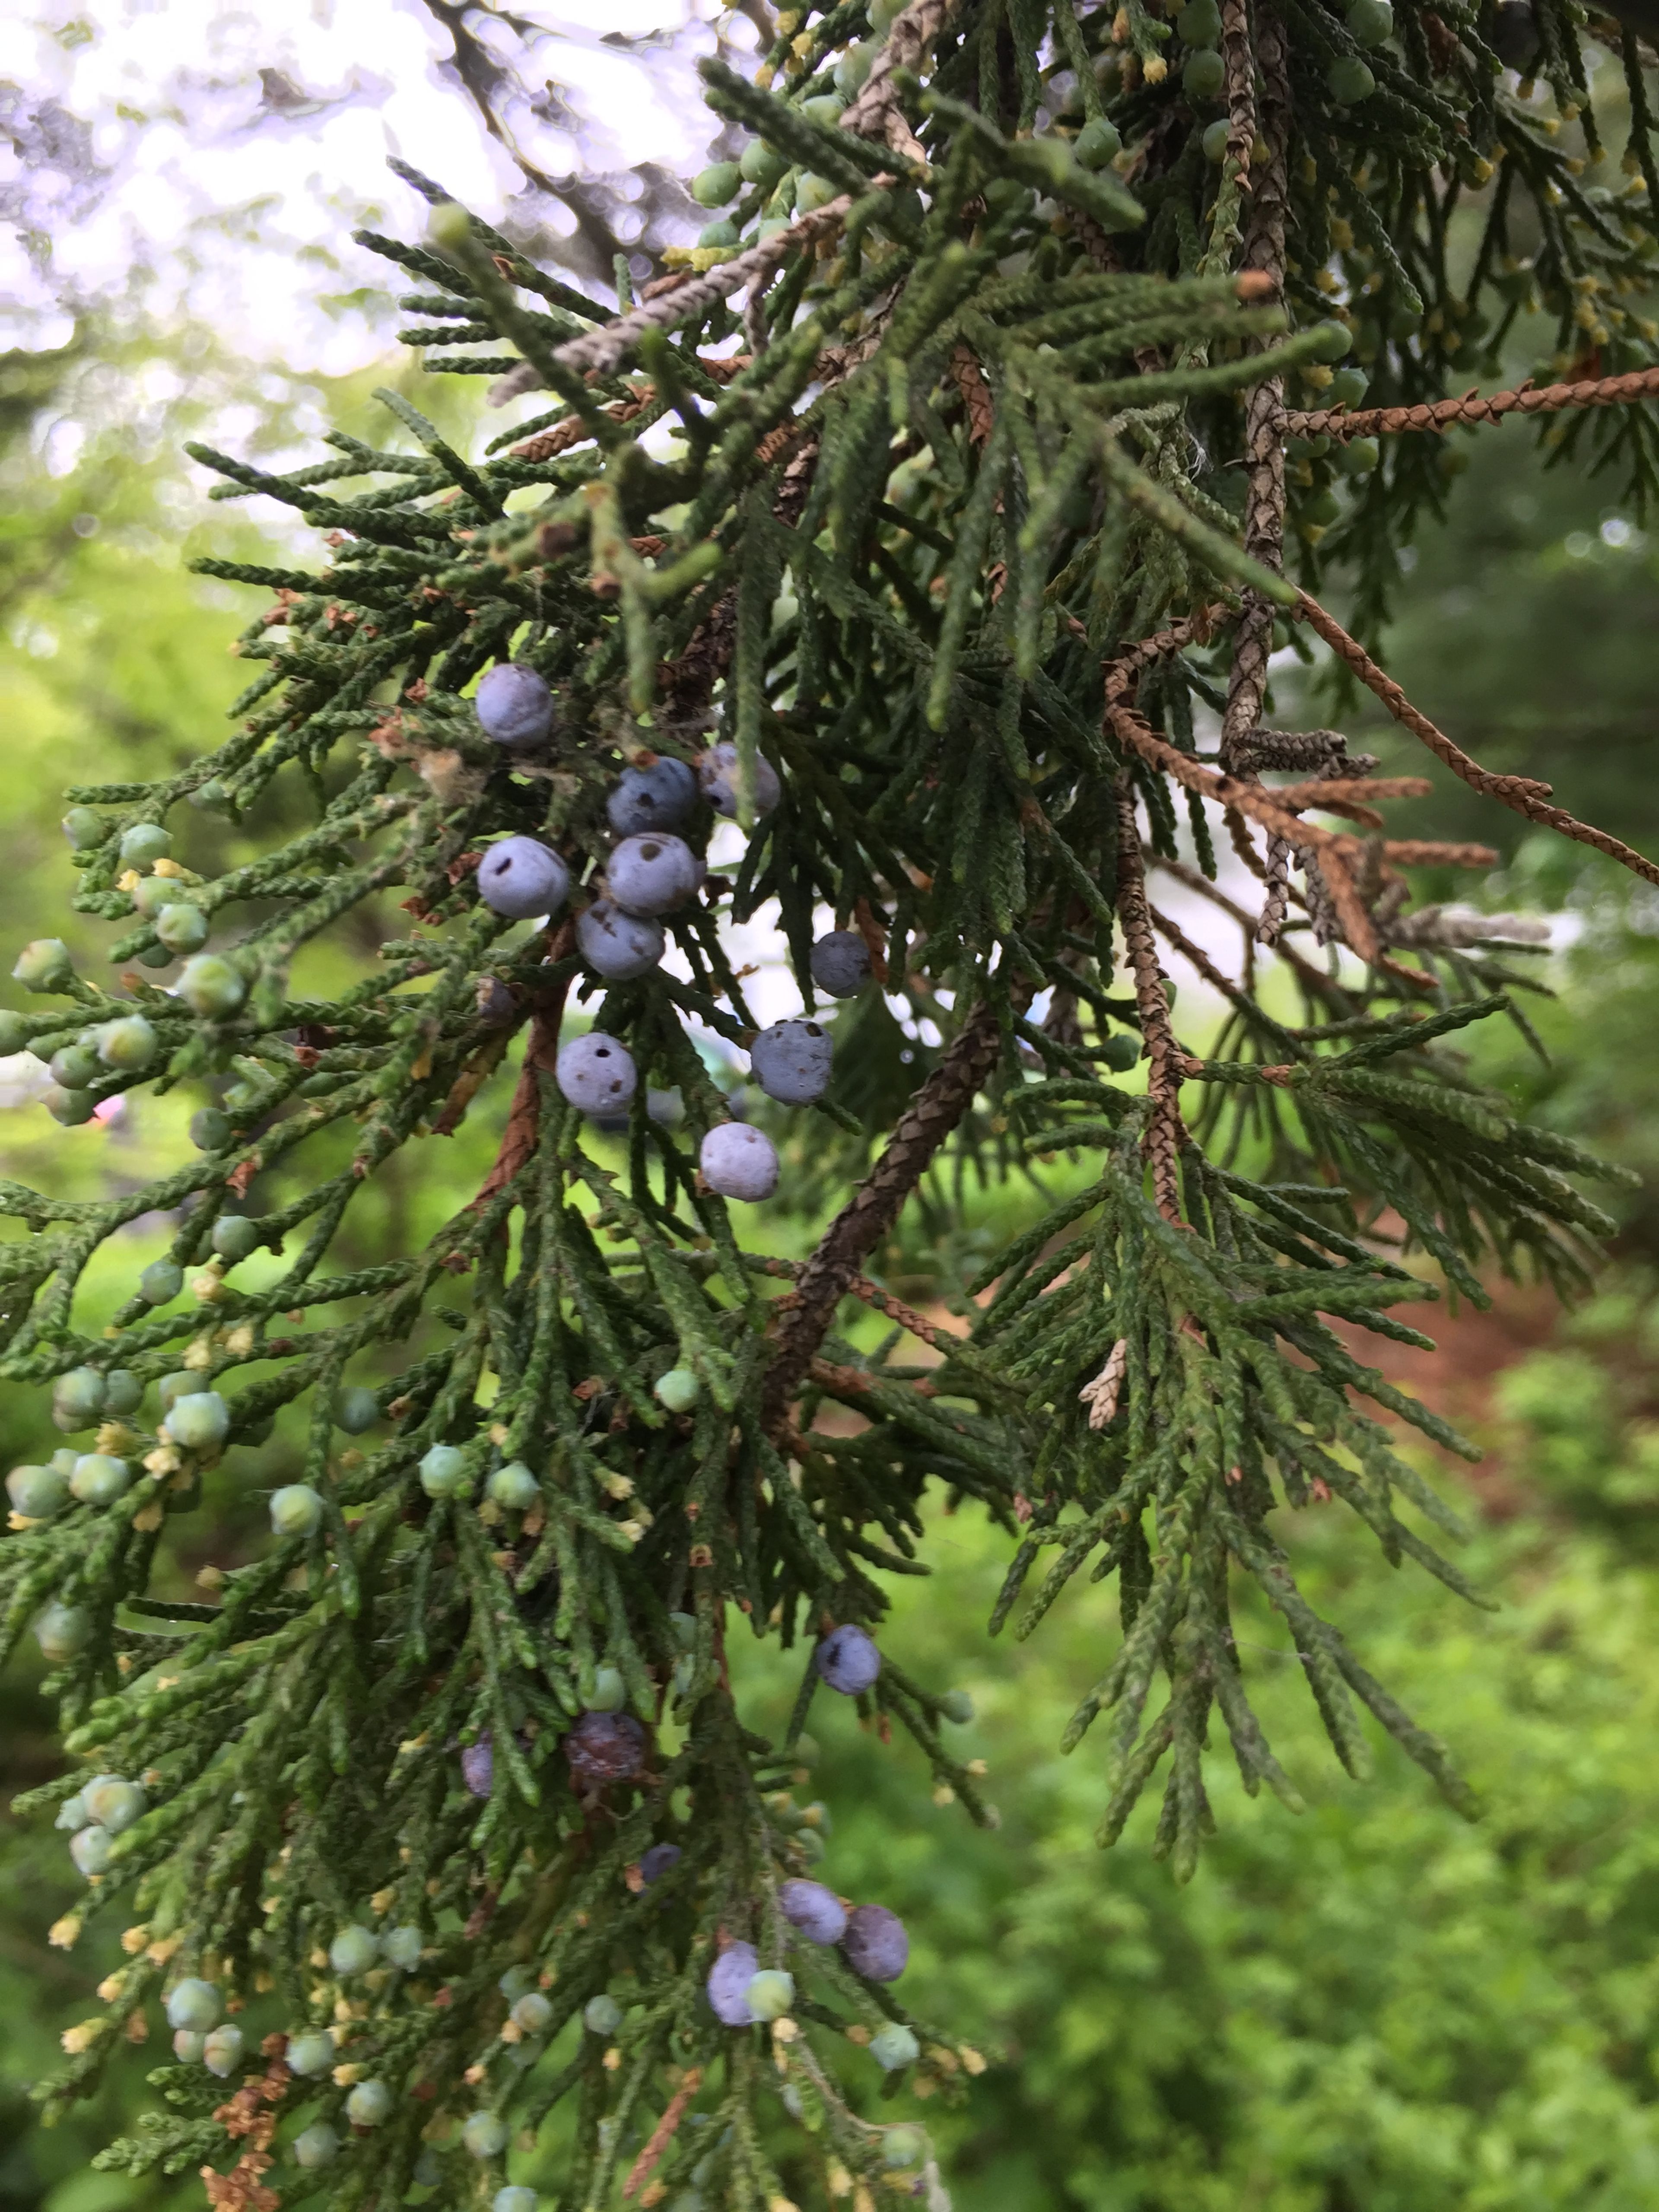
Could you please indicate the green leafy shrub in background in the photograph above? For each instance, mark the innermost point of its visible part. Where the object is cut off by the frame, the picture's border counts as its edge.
(397, 1688)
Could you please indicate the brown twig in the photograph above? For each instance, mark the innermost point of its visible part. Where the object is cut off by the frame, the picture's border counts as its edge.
(877, 112)
(963, 370)
(518, 1139)
(873, 1208)
(663, 2134)
(1165, 1129)
(1634, 385)
(1521, 793)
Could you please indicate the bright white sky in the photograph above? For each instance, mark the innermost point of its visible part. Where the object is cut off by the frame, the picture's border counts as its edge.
(194, 158)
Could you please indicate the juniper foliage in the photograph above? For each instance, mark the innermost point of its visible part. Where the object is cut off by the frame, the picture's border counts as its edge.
(981, 477)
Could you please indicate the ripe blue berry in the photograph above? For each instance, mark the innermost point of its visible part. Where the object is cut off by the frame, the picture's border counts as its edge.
(402, 1947)
(595, 1073)
(606, 1747)
(113, 1803)
(817, 1911)
(791, 1062)
(610, 1692)
(654, 874)
(875, 1944)
(770, 1994)
(894, 2047)
(295, 1510)
(234, 1236)
(62, 1630)
(357, 1410)
(144, 844)
(310, 2052)
(354, 1950)
(211, 987)
(616, 945)
(36, 1492)
(519, 877)
(84, 828)
(848, 1660)
(443, 1471)
(739, 1161)
(43, 964)
(99, 1480)
(717, 772)
(678, 1389)
(531, 2012)
(660, 797)
(317, 2145)
(221, 2051)
(514, 704)
(198, 1421)
(660, 1860)
(514, 1487)
(840, 963)
(728, 1985)
(369, 2104)
(90, 1849)
(195, 2004)
(478, 1767)
(485, 2135)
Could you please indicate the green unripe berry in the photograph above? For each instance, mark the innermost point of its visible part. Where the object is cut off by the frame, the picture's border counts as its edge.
(761, 166)
(894, 2047)
(1452, 462)
(357, 1410)
(43, 964)
(74, 1066)
(63, 1461)
(825, 108)
(513, 2198)
(721, 234)
(115, 1803)
(179, 1384)
(812, 191)
(443, 1471)
(1334, 340)
(160, 1282)
(182, 928)
(1321, 511)
(144, 844)
(769, 227)
(514, 1487)
(402, 1947)
(678, 1389)
(84, 827)
(854, 67)
(211, 797)
(770, 1994)
(1096, 143)
(194, 2004)
(1205, 76)
(154, 956)
(234, 1236)
(71, 1108)
(310, 2052)
(188, 2044)
(957, 1707)
(128, 1044)
(609, 1692)
(318, 2145)
(1349, 81)
(1348, 388)
(714, 187)
(485, 2135)
(91, 1849)
(1369, 23)
(354, 1950)
(602, 2015)
(1199, 23)
(221, 2051)
(1214, 141)
(151, 893)
(295, 1510)
(884, 14)
(211, 987)
(210, 1130)
(199, 1421)
(1359, 456)
(62, 1630)
(77, 1399)
(533, 2012)
(123, 1392)
(36, 1492)
(902, 2145)
(369, 2105)
(99, 1480)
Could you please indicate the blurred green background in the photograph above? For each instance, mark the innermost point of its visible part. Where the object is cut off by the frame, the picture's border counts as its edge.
(1373, 2008)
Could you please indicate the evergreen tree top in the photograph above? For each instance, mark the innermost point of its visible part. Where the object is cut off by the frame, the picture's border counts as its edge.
(990, 423)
